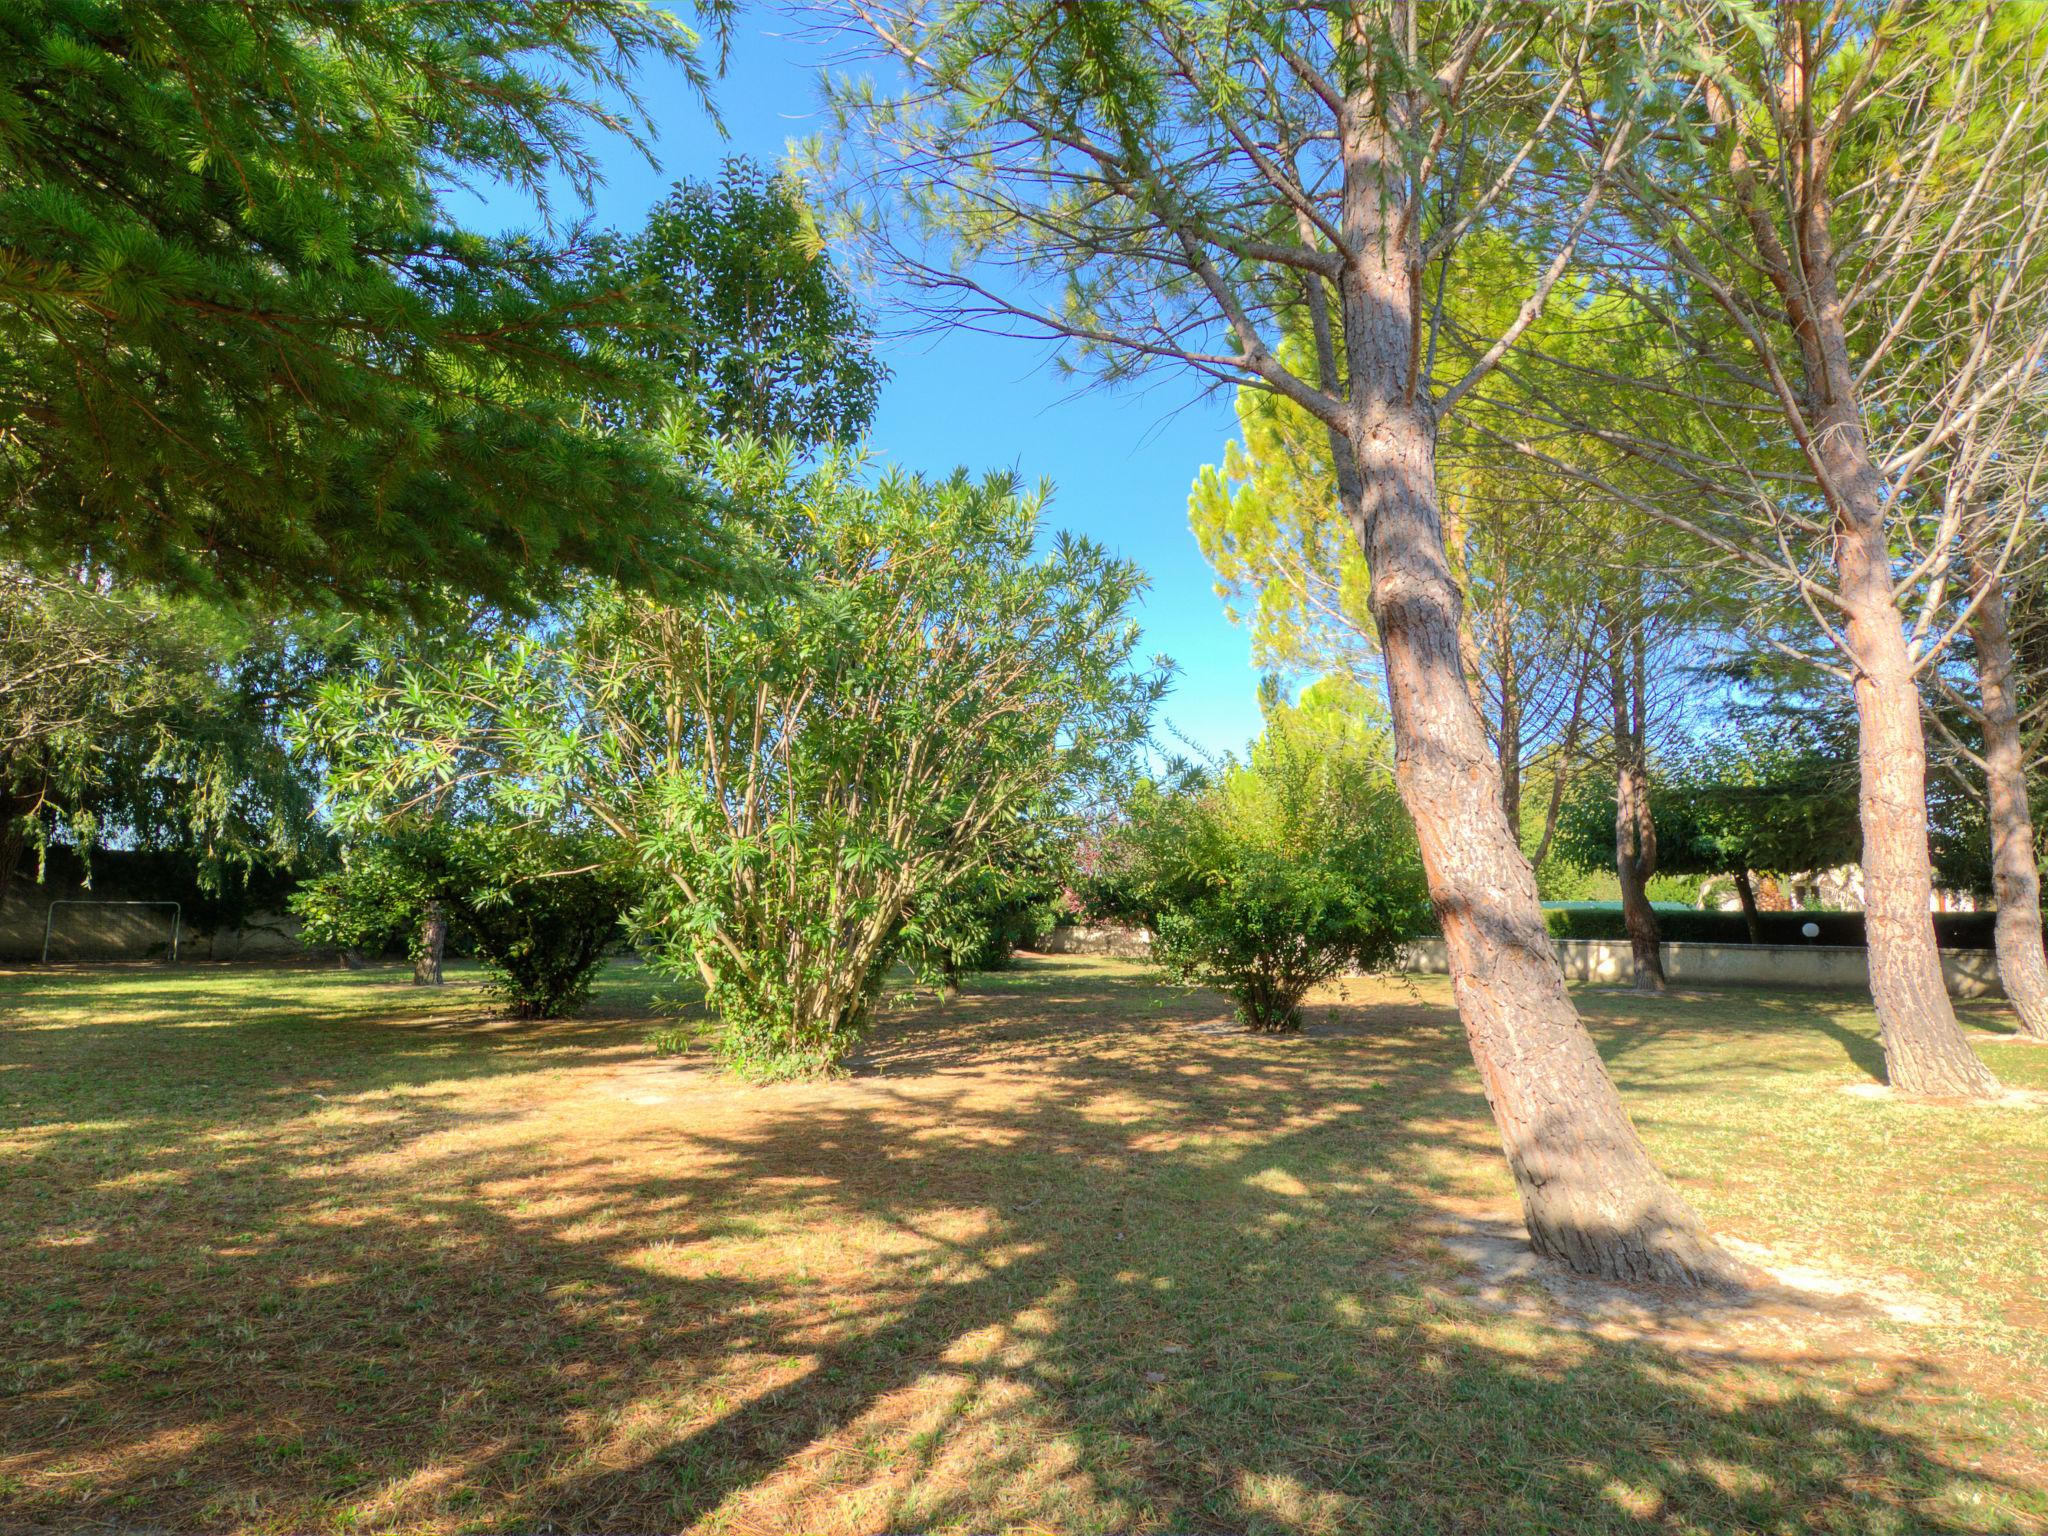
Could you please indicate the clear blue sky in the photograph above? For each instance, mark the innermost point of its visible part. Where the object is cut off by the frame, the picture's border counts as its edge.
(1121, 462)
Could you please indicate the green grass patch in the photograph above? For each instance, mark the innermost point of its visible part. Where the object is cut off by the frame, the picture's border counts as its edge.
(293, 1250)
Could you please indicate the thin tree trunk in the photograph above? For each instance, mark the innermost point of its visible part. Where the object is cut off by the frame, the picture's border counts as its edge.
(2015, 873)
(426, 965)
(1510, 735)
(1745, 892)
(1560, 774)
(1590, 1195)
(1635, 834)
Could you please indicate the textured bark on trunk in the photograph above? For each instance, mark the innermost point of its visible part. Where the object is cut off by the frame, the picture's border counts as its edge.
(1562, 771)
(2015, 873)
(1635, 832)
(1924, 1048)
(1590, 1195)
(1745, 892)
(1510, 738)
(426, 965)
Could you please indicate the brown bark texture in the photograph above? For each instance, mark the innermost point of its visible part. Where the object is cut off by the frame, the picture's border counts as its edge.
(1745, 892)
(1925, 1051)
(426, 965)
(1590, 1195)
(1635, 831)
(2015, 872)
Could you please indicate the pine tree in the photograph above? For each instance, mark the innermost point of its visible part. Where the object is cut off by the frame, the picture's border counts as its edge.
(245, 348)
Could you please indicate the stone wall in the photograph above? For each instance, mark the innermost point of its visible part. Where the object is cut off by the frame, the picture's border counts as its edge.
(1969, 972)
(1096, 939)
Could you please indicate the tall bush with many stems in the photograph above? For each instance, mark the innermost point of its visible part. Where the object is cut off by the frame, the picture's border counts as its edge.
(1191, 186)
(908, 692)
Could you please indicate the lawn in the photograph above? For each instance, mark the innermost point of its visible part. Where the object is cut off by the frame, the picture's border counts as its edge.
(303, 1250)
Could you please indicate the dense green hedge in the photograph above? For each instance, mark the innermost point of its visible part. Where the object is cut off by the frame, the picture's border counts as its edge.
(1685, 925)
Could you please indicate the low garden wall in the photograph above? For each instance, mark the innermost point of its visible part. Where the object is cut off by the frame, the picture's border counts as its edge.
(136, 933)
(1096, 939)
(1969, 972)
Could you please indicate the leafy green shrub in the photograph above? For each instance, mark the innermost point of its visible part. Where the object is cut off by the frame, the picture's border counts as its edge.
(982, 920)
(540, 910)
(1265, 879)
(919, 692)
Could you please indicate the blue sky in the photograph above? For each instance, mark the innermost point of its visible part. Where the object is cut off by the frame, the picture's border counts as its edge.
(1121, 462)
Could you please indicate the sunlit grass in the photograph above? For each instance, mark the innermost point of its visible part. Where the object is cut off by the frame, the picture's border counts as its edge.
(294, 1250)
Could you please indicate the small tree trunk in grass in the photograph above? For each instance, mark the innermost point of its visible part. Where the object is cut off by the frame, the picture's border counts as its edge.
(2015, 873)
(426, 966)
(1635, 834)
(1745, 892)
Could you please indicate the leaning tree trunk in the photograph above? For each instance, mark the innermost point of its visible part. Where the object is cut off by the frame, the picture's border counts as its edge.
(1635, 834)
(2015, 873)
(1590, 1195)
(1745, 892)
(426, 965)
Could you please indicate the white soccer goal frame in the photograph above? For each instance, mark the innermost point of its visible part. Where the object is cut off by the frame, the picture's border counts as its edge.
(177, 919)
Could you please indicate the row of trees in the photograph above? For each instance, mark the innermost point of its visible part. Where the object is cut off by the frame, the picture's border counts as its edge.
(1764, 277)
(1544, 320)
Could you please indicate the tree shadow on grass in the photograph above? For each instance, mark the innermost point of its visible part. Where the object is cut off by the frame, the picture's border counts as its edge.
(1058, 1259)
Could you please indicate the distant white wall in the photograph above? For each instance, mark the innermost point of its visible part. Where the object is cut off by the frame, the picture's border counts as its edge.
(1096, 939)
(1969, 972)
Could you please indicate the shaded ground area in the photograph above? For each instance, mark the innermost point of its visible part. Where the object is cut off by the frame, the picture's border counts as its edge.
(294, 1250)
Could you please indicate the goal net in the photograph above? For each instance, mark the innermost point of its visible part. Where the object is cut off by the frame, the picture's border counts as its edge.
(76, 931)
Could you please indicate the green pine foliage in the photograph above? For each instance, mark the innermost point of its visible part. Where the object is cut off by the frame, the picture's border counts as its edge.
(244, 347)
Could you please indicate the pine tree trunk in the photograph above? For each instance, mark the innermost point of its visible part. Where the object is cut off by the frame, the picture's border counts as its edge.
(2015, 873)
(1590, 1195)
(426, 965)
(1924, 1048)
(1745, 892)
(1925, 1051)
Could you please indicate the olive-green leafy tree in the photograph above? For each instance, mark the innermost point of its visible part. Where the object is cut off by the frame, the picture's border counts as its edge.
(540, 908)
(767, 338)
(981, 920)
(794, 765)
(1264, 879)
(1772, 798)
(245, 347)
(1156, 184)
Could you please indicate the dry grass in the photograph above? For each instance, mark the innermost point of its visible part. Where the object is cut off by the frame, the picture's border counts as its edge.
(293, 1250)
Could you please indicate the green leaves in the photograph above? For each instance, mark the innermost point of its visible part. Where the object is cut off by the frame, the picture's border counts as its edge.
(796, 764)
(1267, 878)
(244, 350)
